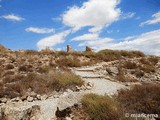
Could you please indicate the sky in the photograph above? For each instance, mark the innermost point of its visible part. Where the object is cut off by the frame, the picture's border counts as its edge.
(100, 24)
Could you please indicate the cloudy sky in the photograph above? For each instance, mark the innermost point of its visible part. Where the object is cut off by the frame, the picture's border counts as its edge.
(101, 24)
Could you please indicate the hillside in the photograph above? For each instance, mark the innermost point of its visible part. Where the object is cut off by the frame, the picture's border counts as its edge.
(34, 83)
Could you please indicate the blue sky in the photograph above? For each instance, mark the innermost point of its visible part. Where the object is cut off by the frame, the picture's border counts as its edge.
(101, 24)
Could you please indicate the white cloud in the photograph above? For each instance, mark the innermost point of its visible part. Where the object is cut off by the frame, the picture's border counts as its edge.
(148, 43)
(12, 17)
(96, 14)
(40, 30)
(129, 38)
(97, 44)
(128, 15)
(86, 37)
(155, 19)
(52, 40)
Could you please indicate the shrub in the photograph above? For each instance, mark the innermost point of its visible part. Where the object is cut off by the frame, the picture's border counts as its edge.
(138, 73)
(31, 52)
(144, 61)
(141, 99)
(130, 65)
(67, 78)
(12, 78)
(40, 83)
(68, 62)
(7, 73)
(1, 90)
(153, 60)
(44, 69)
(147, 68)
(108, 55)
(9, 66)
(101, 107)
(22, 68)
(13, 90)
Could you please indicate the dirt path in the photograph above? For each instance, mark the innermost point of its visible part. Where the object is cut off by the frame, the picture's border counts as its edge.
(101, 85)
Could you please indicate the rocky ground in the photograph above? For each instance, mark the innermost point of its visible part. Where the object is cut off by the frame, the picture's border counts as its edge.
(94, 83)
(102, 78)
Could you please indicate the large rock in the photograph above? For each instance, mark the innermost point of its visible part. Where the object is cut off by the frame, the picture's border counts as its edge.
(30, 99)
(112, 70)
(10, 113)
(3, 100)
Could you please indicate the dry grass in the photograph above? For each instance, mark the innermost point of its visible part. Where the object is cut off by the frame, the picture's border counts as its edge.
(40, 83)
(9, 66)
(144, 61)
(130, 65)
(147, 68)
(101, 107)
(68, 62)
(141, 99)
(122, 78)
(154, 60)
(109, 55)
(138, 73)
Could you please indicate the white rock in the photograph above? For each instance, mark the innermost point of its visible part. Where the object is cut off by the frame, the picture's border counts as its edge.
(3, 100)
(30, 99)
(44, 97)
(38, 97)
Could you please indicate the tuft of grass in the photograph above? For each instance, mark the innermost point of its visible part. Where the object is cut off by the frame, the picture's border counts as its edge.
(101, 107)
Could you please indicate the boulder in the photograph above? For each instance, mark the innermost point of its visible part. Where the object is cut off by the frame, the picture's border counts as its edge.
(17, 99)
(38, 97)
(44, 97)
(112, 70)
(30, 99)
(10, 113)
(33, 94)
(3, 100)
